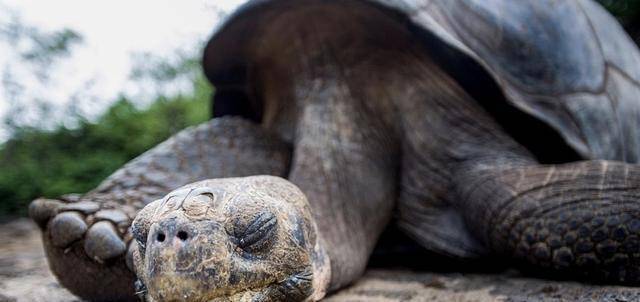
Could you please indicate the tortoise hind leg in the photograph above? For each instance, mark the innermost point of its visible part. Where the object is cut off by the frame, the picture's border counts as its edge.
(87, 241)
(580, 218)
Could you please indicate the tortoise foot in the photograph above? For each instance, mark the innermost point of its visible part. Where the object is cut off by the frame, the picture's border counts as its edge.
(576, 220)
(599, 241)
(87, 247)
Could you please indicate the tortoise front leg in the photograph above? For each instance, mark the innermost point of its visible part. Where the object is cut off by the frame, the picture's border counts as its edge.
(87, 239)
(579, 218)
(345, 161)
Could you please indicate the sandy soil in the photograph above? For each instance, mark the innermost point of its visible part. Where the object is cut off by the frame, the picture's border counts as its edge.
(24, 276)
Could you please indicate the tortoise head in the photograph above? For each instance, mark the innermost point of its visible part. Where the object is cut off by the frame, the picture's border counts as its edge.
(232, 239)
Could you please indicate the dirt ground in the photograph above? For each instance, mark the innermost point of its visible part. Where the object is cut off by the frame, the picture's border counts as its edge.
(24, 276)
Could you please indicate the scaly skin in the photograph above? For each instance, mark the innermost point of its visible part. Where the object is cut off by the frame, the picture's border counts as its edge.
(581, 219)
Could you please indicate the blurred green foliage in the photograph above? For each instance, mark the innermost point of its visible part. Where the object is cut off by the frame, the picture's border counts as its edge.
(44, 161)
(36, 163)
(623, 9)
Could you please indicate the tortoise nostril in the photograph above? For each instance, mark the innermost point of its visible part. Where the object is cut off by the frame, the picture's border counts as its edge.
(183, 235)
(160, 237)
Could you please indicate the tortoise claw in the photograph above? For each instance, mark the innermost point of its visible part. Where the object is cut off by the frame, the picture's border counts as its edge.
(41, 210)
(66, 228)
(103, 242)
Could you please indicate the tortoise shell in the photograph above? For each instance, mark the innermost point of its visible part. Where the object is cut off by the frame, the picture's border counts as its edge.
(555, 64)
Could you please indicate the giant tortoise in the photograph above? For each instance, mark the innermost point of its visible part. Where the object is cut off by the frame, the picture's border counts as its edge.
(479, 127)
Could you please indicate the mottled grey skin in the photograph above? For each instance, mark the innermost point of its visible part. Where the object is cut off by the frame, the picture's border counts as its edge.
(352, 105)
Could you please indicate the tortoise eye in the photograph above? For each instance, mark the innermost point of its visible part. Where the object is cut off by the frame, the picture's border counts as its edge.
(256, 235)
